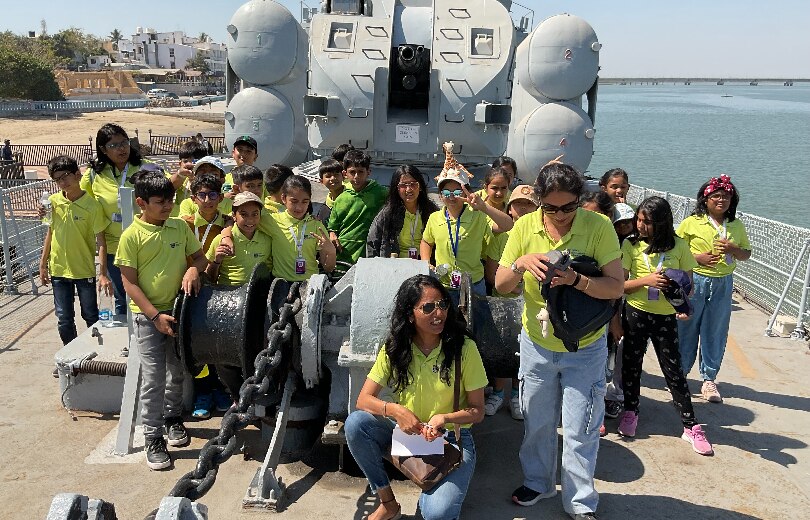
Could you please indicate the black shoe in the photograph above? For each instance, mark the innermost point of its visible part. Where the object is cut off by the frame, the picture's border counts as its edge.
(583, 516)
(157, 456)
(613, 409)
(177, 434)
(524, 496)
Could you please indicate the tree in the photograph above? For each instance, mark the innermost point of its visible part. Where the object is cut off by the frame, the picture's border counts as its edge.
(75, 46)
(115, 37)
(203, 37)
(24, 76)
(198, 63)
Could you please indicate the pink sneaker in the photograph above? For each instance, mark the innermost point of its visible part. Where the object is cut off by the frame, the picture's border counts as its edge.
(628, 421)
(697, 438)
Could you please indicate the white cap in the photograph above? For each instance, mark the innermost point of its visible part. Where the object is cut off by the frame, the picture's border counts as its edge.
(209, 159)
(622, 211)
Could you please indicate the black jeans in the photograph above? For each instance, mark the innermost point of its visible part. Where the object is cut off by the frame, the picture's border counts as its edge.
(64, 290)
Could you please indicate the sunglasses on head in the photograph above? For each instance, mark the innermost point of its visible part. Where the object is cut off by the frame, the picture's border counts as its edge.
(454, 193)
(429, 307)
(565, 208)
(207, 195)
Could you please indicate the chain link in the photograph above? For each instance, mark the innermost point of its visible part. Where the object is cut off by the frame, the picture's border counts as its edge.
(195, 484)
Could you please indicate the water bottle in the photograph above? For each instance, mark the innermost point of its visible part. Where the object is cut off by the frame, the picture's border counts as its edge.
(104, 314)
(45, 202)
(442, 269)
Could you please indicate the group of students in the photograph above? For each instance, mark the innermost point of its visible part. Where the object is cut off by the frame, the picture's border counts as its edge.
(231, 222)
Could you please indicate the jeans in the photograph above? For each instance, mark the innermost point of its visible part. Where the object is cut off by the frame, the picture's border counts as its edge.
(575, 382)
(479, 288)
(162, 376)
(114, 273)
(712, 302)
(63, 292)
(369, 440)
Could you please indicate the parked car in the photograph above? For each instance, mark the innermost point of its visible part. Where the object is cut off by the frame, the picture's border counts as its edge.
(158, 93)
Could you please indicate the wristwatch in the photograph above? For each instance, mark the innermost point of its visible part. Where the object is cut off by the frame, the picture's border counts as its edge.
(515, 269)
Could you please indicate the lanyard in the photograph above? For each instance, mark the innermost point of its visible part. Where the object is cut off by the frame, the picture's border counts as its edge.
(413, 228)
(207, 229)
(660, 262)
(299, 240)
(717, 227)
(454, 243)
(123, 175)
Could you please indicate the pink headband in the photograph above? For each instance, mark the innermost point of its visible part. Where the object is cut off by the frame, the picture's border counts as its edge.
(722, 183)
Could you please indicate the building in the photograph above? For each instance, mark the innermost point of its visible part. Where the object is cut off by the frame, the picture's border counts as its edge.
(169, 50)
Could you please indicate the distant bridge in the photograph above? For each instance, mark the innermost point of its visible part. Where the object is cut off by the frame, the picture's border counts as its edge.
(770, 81)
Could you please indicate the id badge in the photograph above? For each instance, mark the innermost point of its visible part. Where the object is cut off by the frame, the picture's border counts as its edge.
(116, 217)
(455, 279)
(653, 293)
(412, 253)
(300, 266)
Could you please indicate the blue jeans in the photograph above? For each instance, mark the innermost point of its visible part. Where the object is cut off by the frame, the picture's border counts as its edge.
(712, 302)
(63, 292)
(114, 274)
(575, 382)
(369, 440)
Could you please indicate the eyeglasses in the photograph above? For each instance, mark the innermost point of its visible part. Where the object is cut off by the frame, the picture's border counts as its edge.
(565, 208)
(720, 196)
(207, 195)
(408, 185)
(429, 307)
(116, 146)
(454, 193)
(61, 177)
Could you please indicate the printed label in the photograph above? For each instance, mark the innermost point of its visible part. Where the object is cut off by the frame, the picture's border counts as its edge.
(407, 134)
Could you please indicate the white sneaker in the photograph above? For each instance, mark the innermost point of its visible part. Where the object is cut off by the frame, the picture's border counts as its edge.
(710, 393)
(493, 404)
(514, 408)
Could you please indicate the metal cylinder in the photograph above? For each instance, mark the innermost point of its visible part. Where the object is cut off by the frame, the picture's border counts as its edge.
(496, 324)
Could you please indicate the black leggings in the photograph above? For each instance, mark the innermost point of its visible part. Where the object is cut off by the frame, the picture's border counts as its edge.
(662, 330)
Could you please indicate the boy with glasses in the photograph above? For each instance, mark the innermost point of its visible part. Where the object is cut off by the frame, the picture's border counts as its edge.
(208, 165)
(76, 228)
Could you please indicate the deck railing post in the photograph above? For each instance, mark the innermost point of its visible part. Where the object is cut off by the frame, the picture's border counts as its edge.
(800, 332)
(769, 328)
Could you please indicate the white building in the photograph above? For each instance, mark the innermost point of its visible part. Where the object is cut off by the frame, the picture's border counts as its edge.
(169, 50)
(98, 62)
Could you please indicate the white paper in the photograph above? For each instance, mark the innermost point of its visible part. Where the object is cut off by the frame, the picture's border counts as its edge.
(407, 134)
(404, 445)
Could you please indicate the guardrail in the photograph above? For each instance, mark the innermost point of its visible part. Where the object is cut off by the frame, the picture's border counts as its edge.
(12, 107)
(40, 154)
(170, 144)
(777, 276)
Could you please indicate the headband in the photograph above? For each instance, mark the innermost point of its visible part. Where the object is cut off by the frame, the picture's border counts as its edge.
(721, 183)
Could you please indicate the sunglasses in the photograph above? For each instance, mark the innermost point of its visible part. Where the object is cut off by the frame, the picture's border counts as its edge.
(429, 307)
(207, 195)
(116, 146)
(565, 208)
(408, 185)
(454, 193)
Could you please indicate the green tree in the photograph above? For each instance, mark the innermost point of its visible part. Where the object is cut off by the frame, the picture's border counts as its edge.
(198, 63)
(74, 46)
(24, 76)
(115, 37)
(203, 37)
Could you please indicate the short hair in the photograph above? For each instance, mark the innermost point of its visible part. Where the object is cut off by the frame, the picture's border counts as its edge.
(150, 183)
(492, 173)
(601, 199)
(62, 163)
(206, 180)
(505, 161)
(329, 166)
(558, 177)
(275, 176)
(296, 182)
(613, 172)
(357, 159)
(246, 173)
(192, 150)
(340, 151)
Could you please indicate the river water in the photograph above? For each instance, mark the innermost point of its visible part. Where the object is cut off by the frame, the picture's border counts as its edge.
(675, 137)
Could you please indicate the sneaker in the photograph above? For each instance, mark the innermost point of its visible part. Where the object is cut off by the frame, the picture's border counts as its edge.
(222, 401)
(710, 392)
(177, 434)
(202, 406)
(602, 430)
(590, 515)
(524, 496)
(514, 408)
(697, 439)
(157, 456)
(493, 403)
(613, 409)
(627, 423)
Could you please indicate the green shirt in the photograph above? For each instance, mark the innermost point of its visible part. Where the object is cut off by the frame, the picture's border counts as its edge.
(700, 233)
(159, 254)
(428, 395)
(474, 233)
(591, 234)
(247, 254)
(679, 257)
(189, 207)
(285, 251)
(351, 218)
(273, 206)
(74, 226)
(411, 233)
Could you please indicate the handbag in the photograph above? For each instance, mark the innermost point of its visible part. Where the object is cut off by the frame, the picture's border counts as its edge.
(428, 470)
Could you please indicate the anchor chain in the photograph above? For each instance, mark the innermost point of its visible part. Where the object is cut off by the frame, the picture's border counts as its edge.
(195, 484)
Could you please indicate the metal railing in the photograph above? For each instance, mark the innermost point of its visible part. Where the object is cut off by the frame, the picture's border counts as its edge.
(12, 107)
(170, 144)
(777, 276)
(40, 154)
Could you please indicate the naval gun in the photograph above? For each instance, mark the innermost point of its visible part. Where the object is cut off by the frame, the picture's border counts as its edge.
(396, 78)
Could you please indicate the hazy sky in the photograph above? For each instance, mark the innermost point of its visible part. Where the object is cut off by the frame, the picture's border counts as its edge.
(742, 38)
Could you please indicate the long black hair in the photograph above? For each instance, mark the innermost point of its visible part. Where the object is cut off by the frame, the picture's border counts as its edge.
(402, 331)
(393, 212)
(104, 136)
(701, 209)
(659, 212)
(613, 172)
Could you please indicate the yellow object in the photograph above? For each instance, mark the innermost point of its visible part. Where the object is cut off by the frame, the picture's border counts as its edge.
(248, 253)
(273, 206)
(74, 226)
(203, 373)
(679, 257)
(591, 234)
(189, 207)
(405, 241)
(700, 234)
(285, 251)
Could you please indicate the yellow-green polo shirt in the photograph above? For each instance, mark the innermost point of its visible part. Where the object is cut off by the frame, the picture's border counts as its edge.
(273, 206)
(700, 234)
(428, 395)
(415, 223)
(159, 254)
(200, 226)
(474, 232)
(285, 251)
(189, 207)
(248, 253)
(74, 227)
(591, 234)
(679, 257)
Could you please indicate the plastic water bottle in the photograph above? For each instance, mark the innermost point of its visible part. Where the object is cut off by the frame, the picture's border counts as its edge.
(45, 202)
(104, 314)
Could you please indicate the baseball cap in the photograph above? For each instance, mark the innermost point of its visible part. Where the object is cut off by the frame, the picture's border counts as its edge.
(622, 211)
(243, 197)
(246, 139)
(677, 290)
(209, 159)
(522, 192)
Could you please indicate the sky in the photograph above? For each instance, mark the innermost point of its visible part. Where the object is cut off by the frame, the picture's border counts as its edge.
(690, 38)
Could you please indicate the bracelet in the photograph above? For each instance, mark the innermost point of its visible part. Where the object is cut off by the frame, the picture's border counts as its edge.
(577, 279)
(156, 317)
(385, 403)
(587, 284)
